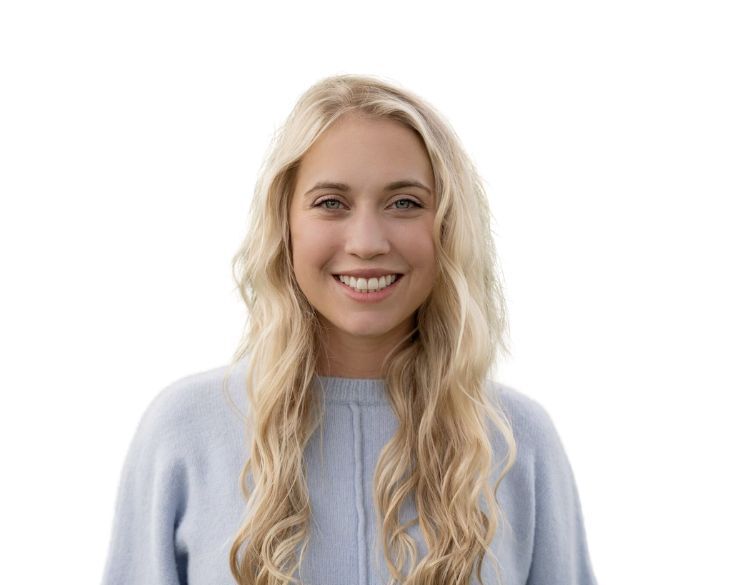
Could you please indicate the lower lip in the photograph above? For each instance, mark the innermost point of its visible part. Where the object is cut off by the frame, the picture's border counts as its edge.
(368, 297)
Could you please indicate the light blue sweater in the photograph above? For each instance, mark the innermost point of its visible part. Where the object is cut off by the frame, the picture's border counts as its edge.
(179, 505)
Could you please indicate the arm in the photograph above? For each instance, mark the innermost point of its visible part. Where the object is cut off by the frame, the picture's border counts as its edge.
(150, 501)
(560, 553)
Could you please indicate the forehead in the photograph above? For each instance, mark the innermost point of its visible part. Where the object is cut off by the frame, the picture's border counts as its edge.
(363, 150)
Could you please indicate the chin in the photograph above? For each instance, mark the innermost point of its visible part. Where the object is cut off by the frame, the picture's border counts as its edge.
(366, 330)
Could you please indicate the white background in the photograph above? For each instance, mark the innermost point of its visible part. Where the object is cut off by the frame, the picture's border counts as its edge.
(130, 137)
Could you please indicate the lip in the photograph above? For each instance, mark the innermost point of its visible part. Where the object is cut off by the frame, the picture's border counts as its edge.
(368, 273)
(368, 297)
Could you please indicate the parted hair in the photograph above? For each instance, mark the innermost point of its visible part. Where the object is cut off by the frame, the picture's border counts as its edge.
(438, 377)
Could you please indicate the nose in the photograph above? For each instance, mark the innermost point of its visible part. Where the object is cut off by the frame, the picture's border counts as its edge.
(366, 236)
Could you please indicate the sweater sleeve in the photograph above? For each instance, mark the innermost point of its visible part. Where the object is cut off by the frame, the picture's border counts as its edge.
(560, 552)
(150, 501)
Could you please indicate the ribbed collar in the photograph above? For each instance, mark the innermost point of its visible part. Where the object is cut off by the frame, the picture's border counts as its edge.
(358, 390)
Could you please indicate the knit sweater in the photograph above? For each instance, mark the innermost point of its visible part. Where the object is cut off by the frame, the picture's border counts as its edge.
(179, 504)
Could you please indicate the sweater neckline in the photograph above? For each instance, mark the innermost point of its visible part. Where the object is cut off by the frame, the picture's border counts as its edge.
(355, 390)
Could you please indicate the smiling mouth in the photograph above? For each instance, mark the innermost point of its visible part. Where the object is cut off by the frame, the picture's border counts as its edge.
(366, 282)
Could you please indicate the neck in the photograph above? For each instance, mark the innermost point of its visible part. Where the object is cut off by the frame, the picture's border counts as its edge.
(347, 356)
(351, 369)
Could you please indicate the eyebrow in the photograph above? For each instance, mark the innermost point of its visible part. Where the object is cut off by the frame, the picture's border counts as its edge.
(390, 187)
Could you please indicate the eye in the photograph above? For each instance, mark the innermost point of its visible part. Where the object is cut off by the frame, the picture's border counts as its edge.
(323, 201)
(411, 201)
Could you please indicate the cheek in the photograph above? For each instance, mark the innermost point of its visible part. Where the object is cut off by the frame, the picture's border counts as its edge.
(418, 247)
(310, 248)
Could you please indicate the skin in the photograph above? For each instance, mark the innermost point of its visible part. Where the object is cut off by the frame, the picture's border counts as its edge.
(366, 227)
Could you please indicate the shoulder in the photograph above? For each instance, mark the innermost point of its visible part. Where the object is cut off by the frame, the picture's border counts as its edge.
(542, 457)
(538, 442)
(190, 406)
(529, 419)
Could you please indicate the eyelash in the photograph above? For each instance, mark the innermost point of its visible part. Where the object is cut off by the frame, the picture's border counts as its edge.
(416, 204)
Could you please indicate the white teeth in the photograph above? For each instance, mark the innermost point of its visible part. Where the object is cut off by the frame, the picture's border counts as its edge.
(368, 284)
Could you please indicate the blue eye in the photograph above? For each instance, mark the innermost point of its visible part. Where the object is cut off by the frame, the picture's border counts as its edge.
(332, 204)
(411, 201)
(323, 201)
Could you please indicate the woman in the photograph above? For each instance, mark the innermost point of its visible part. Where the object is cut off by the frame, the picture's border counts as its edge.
(374, 447)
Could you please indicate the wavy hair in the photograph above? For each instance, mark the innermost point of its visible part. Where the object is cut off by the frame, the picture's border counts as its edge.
(441, 454)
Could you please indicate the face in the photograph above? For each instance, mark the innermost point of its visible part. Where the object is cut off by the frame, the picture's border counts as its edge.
(364, 205)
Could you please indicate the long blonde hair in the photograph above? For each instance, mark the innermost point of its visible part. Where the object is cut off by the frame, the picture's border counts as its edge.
(436, 377)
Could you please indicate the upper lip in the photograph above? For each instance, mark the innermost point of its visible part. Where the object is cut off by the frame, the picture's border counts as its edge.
(367, 273)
